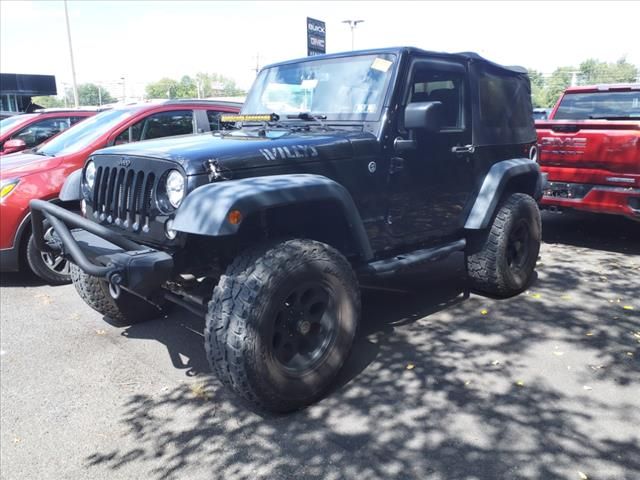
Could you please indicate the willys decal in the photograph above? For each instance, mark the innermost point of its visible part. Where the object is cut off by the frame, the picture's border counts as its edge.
(290, 152)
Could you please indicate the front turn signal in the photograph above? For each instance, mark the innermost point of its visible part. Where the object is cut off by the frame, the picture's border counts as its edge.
(234, 217)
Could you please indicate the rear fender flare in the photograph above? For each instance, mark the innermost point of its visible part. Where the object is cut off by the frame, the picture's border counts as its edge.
(205, 210)
(494, 185)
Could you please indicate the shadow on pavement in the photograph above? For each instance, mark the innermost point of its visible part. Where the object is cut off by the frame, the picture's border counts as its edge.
(20, 279)
(460, 411)
(611, 233)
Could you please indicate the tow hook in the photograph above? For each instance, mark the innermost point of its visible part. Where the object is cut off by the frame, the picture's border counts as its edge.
(115, 280)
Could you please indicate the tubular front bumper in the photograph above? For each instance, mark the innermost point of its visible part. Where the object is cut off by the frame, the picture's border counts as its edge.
(101, 252)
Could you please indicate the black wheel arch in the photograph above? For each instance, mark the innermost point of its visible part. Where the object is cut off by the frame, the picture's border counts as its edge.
(298, 205)
(517, 175)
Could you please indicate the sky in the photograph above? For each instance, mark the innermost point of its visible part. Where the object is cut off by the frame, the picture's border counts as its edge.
(143, 41)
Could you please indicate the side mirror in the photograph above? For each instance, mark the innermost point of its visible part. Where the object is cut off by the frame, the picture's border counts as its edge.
(425, 116)
(14, 145)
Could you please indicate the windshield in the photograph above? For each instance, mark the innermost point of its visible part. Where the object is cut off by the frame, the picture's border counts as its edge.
(585, 106)
(351, 88)
(84, 133)
(9, 122)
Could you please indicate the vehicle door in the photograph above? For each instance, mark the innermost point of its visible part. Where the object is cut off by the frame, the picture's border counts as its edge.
(430, 183)
(157, 125)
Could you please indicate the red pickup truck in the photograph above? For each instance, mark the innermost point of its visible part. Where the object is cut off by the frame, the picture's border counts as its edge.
(590, 150)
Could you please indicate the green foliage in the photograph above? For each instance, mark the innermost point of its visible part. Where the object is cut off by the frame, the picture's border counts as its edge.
(556, 84)
(537, 88)
(90, 94)
(163, 88)
(48, 102)
(203, 85)
(594, 71)
(545, 91)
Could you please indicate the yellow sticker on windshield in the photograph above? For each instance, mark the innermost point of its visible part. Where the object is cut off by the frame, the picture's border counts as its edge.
(381, 64)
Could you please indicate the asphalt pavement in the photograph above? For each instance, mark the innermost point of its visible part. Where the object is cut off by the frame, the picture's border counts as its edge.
(442, 383)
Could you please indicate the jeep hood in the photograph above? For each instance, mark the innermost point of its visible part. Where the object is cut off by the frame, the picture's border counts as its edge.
(243, 149)
(20, 164)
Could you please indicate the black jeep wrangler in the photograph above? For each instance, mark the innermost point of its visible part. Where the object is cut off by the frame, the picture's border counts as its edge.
(339, 167)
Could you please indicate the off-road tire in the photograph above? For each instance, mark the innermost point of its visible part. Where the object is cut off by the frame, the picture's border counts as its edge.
(245, 310)
(39, 267)
(487, 261)
(127, 309)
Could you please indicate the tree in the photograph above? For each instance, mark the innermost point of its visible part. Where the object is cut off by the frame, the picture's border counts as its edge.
(90, 94)
(203, 85)
(50, 101)
(595, 71)
(163, 88)
(537, 88)
(556, 84)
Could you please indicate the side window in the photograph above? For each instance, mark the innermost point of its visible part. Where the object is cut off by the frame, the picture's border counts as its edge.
(75, 120)
(131, 134)
(213, 117)
(168, 124)
(38, 132)
(446, 87)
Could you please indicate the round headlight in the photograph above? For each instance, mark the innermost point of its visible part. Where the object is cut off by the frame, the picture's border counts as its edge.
(90, 174)
(175, 188)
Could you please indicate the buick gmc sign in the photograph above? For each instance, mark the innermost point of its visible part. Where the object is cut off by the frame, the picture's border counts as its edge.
(316, 37)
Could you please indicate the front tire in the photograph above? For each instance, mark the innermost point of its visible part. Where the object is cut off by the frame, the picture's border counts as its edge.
(281, 323)
(127, 309)
(501, 260)
(52, 268)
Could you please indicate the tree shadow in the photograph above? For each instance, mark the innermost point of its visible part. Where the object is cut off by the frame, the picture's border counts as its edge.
(440, 384)
(610, 233)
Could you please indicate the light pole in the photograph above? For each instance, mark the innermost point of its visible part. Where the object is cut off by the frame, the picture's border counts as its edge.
(73, 67)
(124, 94)
(352, 24)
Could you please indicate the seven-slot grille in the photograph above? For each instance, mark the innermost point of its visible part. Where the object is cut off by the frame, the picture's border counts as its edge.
(123, 195)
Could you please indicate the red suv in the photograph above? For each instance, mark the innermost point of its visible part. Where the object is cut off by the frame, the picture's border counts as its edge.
(40, 173)
(31, 129)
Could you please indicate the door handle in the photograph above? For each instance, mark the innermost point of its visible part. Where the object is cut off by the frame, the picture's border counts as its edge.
(463, 149)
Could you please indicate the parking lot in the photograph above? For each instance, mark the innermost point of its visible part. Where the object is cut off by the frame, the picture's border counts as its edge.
(442, 383)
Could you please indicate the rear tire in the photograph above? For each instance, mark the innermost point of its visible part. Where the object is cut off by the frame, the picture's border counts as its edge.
(127, 309)
(501, 259)
(281, 323)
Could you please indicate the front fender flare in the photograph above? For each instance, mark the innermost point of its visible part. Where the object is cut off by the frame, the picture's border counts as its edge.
(493, 186)
(70, 190)
(205, 210)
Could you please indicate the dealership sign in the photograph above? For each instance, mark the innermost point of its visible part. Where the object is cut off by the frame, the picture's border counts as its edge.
(316, 37)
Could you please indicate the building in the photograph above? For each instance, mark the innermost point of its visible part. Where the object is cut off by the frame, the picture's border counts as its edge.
(17, 89)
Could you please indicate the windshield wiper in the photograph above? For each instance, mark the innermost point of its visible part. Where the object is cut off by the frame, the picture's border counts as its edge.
(309, 117)
(613, 117)
(35, 151)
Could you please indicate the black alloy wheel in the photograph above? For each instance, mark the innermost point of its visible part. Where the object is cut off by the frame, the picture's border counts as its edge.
(518, 245)
(304, 328)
